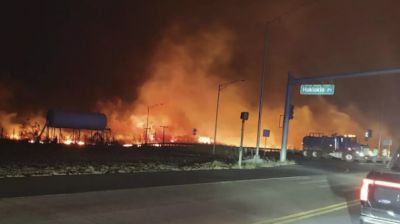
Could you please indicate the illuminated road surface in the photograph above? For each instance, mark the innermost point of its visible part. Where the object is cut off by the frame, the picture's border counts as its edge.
(322, 198)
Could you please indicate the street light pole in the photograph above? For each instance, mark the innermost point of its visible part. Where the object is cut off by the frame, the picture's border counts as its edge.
(261, 100)
(260, 106)
(216, 119)
(220, 87)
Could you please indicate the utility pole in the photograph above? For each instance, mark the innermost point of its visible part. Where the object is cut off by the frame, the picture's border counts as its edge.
(163, 134)
(147, 125)
(221, 86)
(380, 126)
(60, 138)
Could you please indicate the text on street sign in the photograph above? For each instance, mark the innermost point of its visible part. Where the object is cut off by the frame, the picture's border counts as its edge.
(317, 89)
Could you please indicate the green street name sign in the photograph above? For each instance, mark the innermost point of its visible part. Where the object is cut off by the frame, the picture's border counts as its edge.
(317, 89)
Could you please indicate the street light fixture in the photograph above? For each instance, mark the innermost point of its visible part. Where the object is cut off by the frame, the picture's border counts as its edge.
(221, 86)
(147, 120)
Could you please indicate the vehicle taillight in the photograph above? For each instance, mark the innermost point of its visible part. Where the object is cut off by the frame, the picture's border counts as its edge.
(364, 189)
(388, 184)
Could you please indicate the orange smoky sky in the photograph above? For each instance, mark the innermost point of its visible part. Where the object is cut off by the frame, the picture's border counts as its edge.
(183, 78)
(121, 57)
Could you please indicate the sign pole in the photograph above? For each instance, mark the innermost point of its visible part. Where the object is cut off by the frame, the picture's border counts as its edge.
(241, 145)
(244, 116)
(265, 142)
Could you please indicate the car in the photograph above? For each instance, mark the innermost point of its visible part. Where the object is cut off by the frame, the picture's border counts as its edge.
(380, 194)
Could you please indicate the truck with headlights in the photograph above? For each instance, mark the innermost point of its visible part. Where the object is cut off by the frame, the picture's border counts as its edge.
(343, 147)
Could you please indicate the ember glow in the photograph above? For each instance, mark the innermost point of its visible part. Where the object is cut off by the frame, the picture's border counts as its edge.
(68, 141)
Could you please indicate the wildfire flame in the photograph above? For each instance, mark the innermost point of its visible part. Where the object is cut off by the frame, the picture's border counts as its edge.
(184, 74)
(204, 140)
(183, 77)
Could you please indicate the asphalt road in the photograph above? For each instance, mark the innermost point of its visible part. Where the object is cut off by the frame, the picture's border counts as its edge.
(314, 192)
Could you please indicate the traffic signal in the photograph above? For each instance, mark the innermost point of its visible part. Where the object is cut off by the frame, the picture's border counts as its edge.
(244, 116)
(368, 134)
(291, 112)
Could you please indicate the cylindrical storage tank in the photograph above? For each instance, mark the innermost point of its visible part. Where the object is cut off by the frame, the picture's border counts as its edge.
(76, 120)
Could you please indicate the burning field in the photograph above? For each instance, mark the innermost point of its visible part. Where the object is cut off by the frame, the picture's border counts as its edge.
(159, 74)
(180, 95)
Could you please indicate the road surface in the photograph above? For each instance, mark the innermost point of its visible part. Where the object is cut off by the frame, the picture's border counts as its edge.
(313, 192)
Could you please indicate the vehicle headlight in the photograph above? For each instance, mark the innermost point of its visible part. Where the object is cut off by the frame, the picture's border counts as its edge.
(361, 153)
(370, 153)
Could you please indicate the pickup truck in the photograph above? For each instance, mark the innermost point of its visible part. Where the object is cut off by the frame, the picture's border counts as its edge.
(380, 194)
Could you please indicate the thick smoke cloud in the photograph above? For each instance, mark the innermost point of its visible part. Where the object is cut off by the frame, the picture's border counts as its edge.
(119, 57)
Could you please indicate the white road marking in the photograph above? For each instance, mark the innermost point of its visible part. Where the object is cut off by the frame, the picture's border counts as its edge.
(313, 182)
(261, 179)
